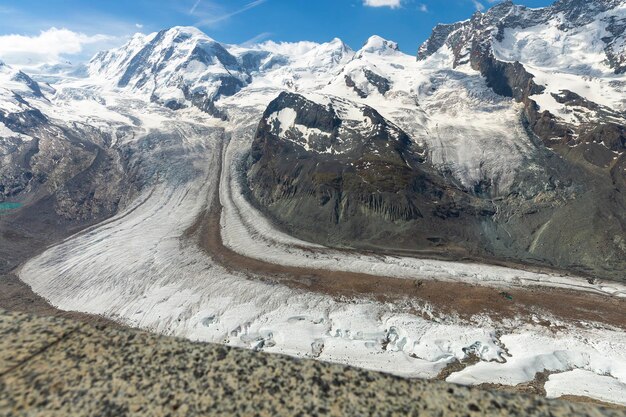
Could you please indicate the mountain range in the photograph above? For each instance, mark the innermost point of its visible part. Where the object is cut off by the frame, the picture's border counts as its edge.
(502, 139)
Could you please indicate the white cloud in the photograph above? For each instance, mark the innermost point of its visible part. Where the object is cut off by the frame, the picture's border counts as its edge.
(138, 25)
(209, 21)
(423, 8)
(50, 46)
(383, 3)
(194, 7)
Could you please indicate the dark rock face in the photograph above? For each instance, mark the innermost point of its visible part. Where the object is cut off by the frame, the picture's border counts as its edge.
(613, 136)
(30, 83)
(545, 126)
(375, 192)
(313, 115)
(603, 129)
(616, 57)
(23, 121)
(437, 39)
(350, 83)
(572, 99)
(381, 83)
(505, 78)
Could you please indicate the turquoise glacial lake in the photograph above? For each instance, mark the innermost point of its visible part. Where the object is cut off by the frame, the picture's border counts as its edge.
(9, 206)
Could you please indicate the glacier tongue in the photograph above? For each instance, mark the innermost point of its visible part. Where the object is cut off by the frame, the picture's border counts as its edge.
(179, 112)
(139, 268)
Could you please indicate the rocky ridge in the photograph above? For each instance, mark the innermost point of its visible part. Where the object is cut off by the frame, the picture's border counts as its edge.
(342, 164)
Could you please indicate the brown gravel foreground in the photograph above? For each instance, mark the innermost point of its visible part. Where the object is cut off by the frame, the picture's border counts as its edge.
(16, 295)
(53, 367)
(446, 298)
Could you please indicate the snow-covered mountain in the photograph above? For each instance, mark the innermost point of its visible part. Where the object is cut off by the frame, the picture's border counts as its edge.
(553, 36)
(174, 67)
(182, 66)
(495, 119)
(501, 142)
(304, 65)
(16, 85)
(516, 117)
(568, 59)
(374, 67)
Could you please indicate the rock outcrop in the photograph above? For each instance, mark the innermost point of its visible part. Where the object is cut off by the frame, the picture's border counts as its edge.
(341, 173)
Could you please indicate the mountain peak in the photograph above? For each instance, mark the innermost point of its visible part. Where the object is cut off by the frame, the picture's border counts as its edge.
(339, 43)
(586, 3)
(6, 68)
(187, 30)
(179, 34)
(378, 45)
(502, 8)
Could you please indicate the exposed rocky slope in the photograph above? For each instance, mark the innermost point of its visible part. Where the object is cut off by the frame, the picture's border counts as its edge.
(559, 201)
(43, 156)
(348, 170)
(63, 173)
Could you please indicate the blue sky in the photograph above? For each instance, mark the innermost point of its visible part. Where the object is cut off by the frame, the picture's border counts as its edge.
(96, 24)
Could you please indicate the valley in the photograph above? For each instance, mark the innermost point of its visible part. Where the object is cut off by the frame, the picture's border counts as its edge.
(455, 215)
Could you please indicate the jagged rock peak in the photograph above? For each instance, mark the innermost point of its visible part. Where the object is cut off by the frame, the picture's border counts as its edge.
(586, 4)
(437, 39)
(567, 14)
(501, 10)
